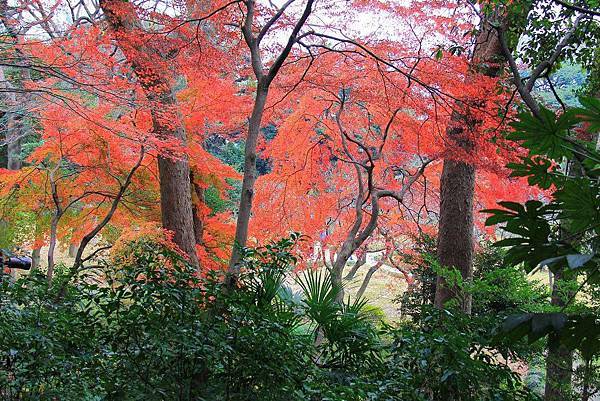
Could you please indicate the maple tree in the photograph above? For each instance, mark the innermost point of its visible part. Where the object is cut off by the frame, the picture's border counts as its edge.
(360, 174)
(180, 121)
(87, 81)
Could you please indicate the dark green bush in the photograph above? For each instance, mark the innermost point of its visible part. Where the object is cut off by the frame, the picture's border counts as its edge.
(148, 327)
(447, 356)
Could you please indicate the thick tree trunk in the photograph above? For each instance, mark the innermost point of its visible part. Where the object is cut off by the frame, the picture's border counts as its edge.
(176, 204)
(174, 172)
(457, 184)
(455, 238)
(337, 269)
(250, 175)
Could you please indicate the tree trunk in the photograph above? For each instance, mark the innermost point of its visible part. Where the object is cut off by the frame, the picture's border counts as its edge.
(457, 183)
(52, 246)
(359, 262)
(35, 259)
(197, 199)
(13, 148)
(174, 172)
(176, 204)
(559, 360)
(72, 250)
(250, 175)
(15, 99)
(455, 238)
(367, 280)
(347, 249)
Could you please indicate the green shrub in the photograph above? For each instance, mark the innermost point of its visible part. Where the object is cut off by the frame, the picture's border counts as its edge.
(447, 356)
(149, 327)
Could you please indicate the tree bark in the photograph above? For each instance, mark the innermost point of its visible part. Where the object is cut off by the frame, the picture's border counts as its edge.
(264, 80)
(15, 100)
(174, 172)
(72, 250)
(52, 246)
(250, 175)
(35, 259)
(359, 262)
(197, 199)
(559, 360)
(457, 183)
(367, 280)
(455, 238)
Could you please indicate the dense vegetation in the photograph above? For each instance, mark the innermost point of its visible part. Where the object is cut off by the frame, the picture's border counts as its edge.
(153, 330)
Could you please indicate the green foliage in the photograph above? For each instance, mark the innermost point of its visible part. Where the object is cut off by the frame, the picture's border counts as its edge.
(148, 327)
(567, 81)
(544, 136)
(422, 292)
(576, 332)
(500, 290)
(350, 341)
(538, 170)
(214, 201)
(447, 356)
(563, 233)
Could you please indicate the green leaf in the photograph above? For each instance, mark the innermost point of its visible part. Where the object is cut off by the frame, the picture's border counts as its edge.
(545, 135)
(538, 170)
(590, 112)
(579, 200)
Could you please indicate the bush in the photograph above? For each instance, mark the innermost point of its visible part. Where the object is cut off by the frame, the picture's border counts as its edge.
(445, 357)
(149, 327)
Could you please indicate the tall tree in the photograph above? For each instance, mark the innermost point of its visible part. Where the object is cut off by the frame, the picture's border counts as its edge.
(175, 188)
(264, 77)
(571, 38)
(457, 183)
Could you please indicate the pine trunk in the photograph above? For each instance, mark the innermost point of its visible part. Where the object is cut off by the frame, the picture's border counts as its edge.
(455, 237)
(559, 360)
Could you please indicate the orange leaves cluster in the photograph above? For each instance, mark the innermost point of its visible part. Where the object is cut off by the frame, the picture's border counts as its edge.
(313, 185)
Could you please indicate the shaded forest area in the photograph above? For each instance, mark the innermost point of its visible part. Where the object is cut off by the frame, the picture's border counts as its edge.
(200, 199)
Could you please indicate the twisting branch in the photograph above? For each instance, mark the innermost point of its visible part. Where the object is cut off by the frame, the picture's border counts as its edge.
(526, 88)
(113, 208)
(272, 20)
(547, 64)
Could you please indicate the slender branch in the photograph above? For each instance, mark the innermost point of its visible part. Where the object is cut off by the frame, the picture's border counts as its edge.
(574, 7)
(115, 203)
(272, 20)
(293, 38)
